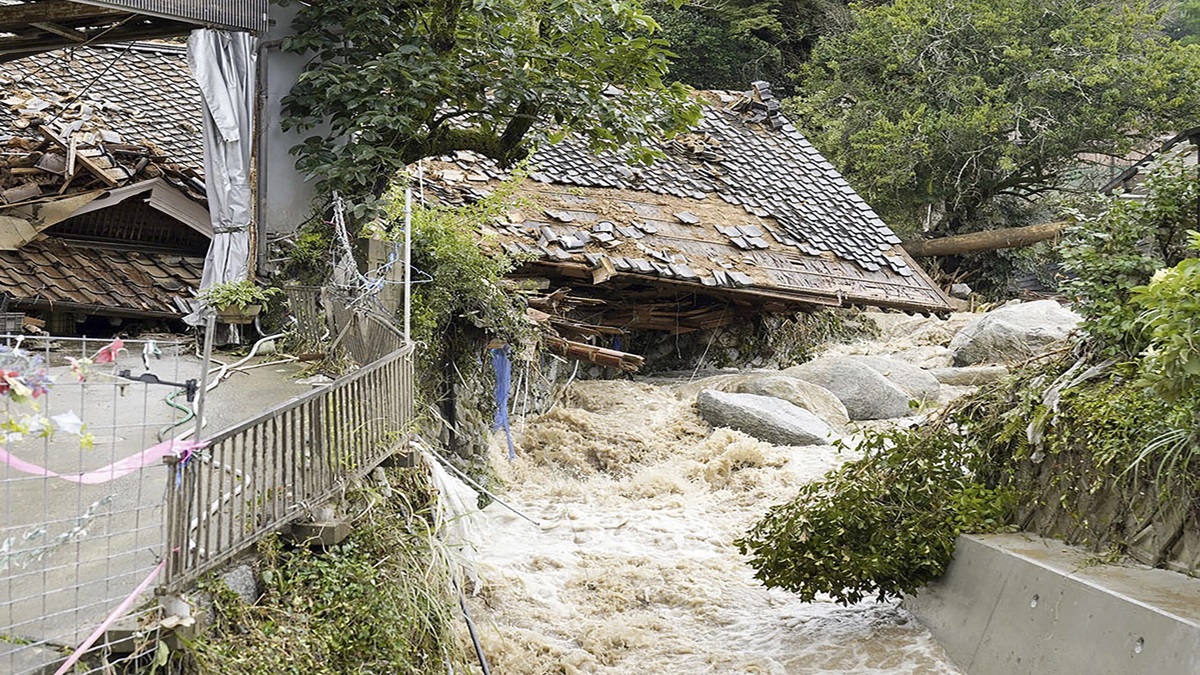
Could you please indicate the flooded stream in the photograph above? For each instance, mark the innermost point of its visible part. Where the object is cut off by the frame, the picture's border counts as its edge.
(631, 567)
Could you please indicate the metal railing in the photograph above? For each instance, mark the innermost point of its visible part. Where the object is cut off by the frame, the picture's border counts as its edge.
(251, 479)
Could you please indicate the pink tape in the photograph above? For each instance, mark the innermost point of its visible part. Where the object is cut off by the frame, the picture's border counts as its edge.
(112, 618)
(124, 467)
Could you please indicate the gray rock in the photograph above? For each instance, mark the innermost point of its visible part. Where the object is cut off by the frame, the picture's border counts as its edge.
(1012, 333)
(866, 393)
(969, 376)
(241, 580)
(764, 417)
(817, 400)
(960, 291)
(918, 383)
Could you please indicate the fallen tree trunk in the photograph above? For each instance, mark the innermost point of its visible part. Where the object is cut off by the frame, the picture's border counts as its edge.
(989, 240)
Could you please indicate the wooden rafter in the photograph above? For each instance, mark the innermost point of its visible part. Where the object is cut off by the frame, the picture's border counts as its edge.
(43, 25)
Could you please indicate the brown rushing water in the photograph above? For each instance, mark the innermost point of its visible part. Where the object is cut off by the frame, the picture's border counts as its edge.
(632, 568)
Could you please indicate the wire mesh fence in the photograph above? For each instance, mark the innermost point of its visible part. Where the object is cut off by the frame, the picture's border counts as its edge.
(92, 515)
(82, 498)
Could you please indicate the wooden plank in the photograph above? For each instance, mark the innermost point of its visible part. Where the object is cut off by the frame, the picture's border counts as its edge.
(62, 31)
(86, 162)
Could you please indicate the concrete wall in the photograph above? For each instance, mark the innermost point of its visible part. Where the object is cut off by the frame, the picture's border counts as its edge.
(286, 196)
(1014, 604)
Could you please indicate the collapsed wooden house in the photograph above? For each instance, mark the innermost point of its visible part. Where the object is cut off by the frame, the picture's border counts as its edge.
(102, 207)
(742, 217)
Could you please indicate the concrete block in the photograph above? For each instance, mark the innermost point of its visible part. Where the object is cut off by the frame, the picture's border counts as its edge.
(1017, 604)
(323, 534)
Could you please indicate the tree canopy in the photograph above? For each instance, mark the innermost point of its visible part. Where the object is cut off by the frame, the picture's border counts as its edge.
(937, 109)
(389, 83)
(725, 45)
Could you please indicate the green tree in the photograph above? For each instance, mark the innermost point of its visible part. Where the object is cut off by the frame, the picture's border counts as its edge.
(934, 109)
(392, 82)
(725, 45)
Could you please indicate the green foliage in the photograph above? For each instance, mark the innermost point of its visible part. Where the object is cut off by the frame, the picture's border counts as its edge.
(389, 83)
(378, 603)
(1117, 246)
(1170, 317)
(727, 45)
(883, 525)
(238, 294)
(460, 272)
(935, 108)
(712, 51)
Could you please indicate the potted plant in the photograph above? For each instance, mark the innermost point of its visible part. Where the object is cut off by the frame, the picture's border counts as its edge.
(237, 301)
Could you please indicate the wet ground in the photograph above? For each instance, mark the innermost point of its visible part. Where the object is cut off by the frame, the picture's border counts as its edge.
(70, 552)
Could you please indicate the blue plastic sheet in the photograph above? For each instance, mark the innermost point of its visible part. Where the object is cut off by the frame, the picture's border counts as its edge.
(502, 365)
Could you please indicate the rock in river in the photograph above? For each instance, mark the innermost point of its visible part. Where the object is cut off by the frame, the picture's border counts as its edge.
(764, 417)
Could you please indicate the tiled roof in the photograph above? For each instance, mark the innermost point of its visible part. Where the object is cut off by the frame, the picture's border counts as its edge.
(53, 274)
(742, 201)
(143, 92)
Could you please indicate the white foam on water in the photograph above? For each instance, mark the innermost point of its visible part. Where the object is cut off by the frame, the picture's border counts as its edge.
(632, 568)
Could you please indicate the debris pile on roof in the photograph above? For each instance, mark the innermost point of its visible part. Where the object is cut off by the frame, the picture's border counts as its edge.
(101, 154)
(741, 216)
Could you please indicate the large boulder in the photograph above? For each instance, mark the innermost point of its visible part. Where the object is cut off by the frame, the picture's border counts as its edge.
(865, 392)
(764, 417)
(1012, 333)
(817, 400)
(918, 383)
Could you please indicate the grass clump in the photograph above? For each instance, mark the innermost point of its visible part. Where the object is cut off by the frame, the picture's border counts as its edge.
(380, 602)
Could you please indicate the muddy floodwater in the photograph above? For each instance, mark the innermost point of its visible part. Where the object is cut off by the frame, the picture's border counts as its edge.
(631, 566)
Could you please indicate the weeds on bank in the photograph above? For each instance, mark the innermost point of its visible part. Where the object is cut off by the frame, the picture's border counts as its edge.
(380, 602)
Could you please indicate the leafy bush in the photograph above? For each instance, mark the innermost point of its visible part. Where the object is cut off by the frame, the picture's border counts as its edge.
(883, 525)
(1118, 246)
(455, 277)
(1171, 321)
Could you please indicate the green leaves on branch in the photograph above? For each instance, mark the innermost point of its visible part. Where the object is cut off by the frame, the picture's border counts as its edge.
(1116, 245)
(460, 272)
(1171, 321)
(880, 526)
(390, 83)
(934, 109)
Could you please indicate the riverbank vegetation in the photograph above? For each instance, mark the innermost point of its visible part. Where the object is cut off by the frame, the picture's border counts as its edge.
(1094, 443)
(380, 602)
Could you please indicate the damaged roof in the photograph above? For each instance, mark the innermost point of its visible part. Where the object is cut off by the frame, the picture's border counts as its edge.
(139, 94)
(56, 275)
(742, 207)
(102, 198)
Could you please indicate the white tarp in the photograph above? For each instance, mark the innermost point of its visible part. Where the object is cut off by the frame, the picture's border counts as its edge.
(223, 64)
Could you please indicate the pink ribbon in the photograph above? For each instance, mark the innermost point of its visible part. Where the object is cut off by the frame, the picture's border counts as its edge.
(124, 467)
(112, 618)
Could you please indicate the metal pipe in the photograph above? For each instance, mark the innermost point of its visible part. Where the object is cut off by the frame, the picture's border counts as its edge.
(408, 264)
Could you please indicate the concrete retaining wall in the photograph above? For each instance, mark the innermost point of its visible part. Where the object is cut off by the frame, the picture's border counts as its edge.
(1013, 604)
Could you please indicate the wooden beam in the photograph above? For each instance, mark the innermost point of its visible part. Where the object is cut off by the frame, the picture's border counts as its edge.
(87, 163)
(14, 48)
(989, 240)
(61, 31)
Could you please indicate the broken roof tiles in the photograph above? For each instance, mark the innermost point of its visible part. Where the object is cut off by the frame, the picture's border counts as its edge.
(140, 94)
(787, 205)
(52, 273)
